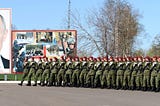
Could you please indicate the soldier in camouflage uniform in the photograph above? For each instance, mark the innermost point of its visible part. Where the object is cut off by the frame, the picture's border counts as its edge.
(46, 72)
(26, 69)
(32, 71)
(158, 77)
(84, 72)
(139, 77)
(105, 73)
(61, 73)
(134, 74)
(54, 71)
(154, 70)
(76, 73)
(111, 79)
(127, 76)
(120, 73)
(91, 73)
(99, 73)
(39, 71)
(69, 71)
(146, 74)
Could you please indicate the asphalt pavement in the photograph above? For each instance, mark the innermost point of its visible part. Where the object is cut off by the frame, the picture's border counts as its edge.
(14, 95)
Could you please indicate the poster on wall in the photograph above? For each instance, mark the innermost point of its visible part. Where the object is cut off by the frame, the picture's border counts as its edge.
(5, 41)
(41, 43)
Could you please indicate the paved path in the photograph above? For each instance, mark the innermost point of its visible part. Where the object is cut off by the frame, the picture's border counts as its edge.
(14, 95)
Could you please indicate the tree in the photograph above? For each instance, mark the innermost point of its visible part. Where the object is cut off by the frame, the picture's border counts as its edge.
(109, 31)
(155, 48)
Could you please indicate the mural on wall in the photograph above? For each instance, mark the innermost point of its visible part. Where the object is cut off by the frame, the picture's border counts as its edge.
(49, 43)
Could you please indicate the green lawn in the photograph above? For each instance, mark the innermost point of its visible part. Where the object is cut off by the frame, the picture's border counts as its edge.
(11, 77)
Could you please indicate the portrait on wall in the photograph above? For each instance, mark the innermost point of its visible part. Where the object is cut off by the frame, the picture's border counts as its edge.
(5, 40)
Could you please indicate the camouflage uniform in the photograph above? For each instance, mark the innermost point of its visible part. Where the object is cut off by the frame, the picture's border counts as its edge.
(90, 75)
(146, 77)
(139, 77)
(39, 72)
(111, 78)
(99, 74)
(83, 74)
(75, 75)
(32, 72)
(120, 74)
(153, 76)
(26, 69)
(53, 75)
(61, 73)
(68, 74)
(46, 74)
(105, 75)
(133, 75)
(127, 76)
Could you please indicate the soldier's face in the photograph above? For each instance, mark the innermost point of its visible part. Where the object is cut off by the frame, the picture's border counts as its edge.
(2, 34)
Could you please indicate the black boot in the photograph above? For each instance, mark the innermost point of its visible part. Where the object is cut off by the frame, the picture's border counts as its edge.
(152, 88)
(20, 83)
(35, 84)
(29, 83)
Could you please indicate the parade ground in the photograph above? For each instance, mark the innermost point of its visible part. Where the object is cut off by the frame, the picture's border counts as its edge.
(13, 95)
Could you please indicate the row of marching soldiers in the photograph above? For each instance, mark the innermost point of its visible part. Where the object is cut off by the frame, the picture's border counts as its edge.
(129, 73)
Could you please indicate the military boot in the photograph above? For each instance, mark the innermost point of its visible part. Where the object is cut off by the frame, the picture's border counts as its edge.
(29, 83)
(35, 84)
(20, 83)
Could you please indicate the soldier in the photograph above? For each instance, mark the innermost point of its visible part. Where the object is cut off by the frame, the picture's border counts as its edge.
(99, 73)
(154, 70)
(91, 73)
(158, 77)
(146, 74)
(32, 72)
(120, 73)
(134, 74)
(127, 76)
(54, 71)
(26, 69)
(46, 72)
(111, 79)
(61, 73)
(139, 77)
(39, 71)
(69, 71)
(105, 73)
(76, 72)
(84, 72)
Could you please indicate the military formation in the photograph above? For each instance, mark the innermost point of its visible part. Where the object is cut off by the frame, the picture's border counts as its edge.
(127, 73)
